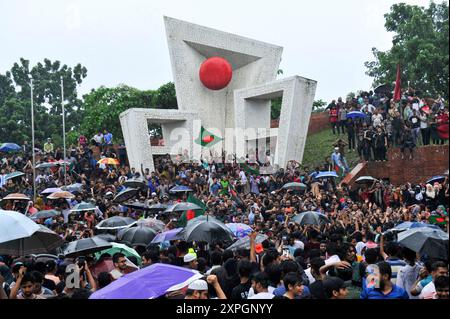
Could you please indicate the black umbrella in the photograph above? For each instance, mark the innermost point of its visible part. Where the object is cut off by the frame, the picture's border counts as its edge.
(135, 183)
(85, 246)
(295, 186)
(244, 243)
(207, 229)
(43, 240)
(425, 240)
(125, 195)
(107, 237)
(138, 236)
(181, 207)
(158, 207)
(137, 205)
(180, 189)
(310, 218)
(45, 214)
(115, 222)
(383, 89)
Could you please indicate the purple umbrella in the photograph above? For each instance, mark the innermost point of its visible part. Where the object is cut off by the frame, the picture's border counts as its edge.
(51, 190)
(148, 283)
(167, 235)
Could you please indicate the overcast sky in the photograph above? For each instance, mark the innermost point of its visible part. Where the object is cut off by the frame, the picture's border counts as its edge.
(125, 42)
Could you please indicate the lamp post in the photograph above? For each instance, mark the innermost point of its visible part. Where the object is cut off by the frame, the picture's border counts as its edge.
(64, 130)
(32, 142)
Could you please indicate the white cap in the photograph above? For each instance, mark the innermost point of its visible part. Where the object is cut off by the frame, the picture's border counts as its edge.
(198, 284)
(189, 257)
(153, 194)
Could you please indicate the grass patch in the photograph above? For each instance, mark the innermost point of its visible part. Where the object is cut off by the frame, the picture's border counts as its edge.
(320, 145)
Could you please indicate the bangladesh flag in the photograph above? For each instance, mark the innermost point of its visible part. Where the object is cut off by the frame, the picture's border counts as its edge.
(190, 214)
(207, 139)
(249, 170)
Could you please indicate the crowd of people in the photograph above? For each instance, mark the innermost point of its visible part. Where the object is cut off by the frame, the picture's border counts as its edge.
(407, 123)
(354, 254)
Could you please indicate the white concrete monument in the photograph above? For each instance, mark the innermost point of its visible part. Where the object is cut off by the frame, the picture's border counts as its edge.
(224, 85)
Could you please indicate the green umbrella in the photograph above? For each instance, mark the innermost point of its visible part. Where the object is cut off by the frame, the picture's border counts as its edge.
(13, 175)
(83, 206)
(120, 248)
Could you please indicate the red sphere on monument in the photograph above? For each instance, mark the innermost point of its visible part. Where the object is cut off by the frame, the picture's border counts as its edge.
(215, 73)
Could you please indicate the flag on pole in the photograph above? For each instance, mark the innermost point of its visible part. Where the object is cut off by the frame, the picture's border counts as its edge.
(207, 139)
(190, 214)
(398, 84)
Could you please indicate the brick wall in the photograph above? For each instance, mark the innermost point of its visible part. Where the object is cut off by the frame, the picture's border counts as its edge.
(428, 161)
(318, 122)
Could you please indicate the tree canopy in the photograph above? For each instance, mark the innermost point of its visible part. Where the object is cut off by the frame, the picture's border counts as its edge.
(420, 45)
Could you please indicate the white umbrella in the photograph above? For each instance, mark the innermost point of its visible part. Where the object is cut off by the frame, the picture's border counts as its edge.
(14, 225)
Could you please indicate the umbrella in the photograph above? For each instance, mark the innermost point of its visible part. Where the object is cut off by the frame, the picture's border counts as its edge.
(83, 206)
(13, 175)
(240, 230)
(47, 165)
(148, 283)
(152, 223)
(9, 147)
(107, 237)
(425, 240)
(126, 194)
(356, 115)
(16, 196)
(409, 225)
(244, 243)
(61, 195)
(14, 225)
(383, 89)
(45, 214)
(327, 174)
(137, 205)
(85, 246)
(116, 222)
(294, 186)
(73, 188)
(310, 218)
(119, 248)
(108, 161)
(180, 189)
(51, 190)
(366, 180)
(435, 179)
(207, 229)
(181, 207)
(167, 235)
(41, 241)
(138, 236)
(135, 183)
(158, 207)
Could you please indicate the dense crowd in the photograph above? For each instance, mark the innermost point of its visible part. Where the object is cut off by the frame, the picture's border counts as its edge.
(410, 122)
(355, 254)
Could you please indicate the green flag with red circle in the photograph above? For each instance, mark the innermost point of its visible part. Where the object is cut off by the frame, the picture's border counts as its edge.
(207, 139)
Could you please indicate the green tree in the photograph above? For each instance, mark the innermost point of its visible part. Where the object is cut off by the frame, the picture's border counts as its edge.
(103, 106)
(318, 105)
(420, 44)
(15, 104)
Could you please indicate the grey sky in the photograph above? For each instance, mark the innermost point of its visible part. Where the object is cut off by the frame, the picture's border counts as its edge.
(124, 41)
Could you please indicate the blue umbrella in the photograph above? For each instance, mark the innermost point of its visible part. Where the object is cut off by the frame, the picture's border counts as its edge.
(327, 174)
(9, 147)
(180, 189)
(356, 115)
(167, 235)
(435, 179)
(240, 230)
(13, 175)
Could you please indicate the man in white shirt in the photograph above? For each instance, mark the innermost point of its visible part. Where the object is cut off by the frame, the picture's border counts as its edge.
(439, 268)
(260, 285)
(367, 107)
(377, 118)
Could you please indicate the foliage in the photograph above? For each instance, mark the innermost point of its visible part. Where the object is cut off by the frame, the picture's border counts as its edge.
(420, 44)
(15, 100)
(318, 106)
